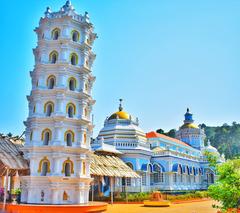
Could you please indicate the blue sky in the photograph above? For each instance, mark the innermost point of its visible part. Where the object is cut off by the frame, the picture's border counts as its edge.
(160, 56)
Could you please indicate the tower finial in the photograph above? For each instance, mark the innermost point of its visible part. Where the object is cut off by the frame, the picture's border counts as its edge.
(187, 109)
(120, 104)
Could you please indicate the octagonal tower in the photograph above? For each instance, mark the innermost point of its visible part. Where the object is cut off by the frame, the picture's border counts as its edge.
(58, 127)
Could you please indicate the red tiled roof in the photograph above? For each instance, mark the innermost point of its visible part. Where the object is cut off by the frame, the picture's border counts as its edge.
(158, 135)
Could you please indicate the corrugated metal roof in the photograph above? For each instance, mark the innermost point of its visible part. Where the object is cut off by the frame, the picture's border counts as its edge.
(106, 165)
(10, 155)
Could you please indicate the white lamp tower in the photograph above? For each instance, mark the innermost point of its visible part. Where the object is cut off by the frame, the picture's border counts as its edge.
(58, 128)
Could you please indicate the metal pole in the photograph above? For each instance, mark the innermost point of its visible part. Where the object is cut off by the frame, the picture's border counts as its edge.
(5, 191)
(92, 190)
(126, 191)
(111, 184)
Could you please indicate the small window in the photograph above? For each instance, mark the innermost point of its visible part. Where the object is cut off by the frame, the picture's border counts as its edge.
(55, 34)
(69, 138)
(75, 36)
(51, 82)
(49, 108)
(74, 59)
(46, 136)
(71, 109)
(67, 169)
(72, 84)
(44, 169)
(53, 57)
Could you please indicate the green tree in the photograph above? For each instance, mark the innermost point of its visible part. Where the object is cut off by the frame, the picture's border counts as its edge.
(212, 159)
(171, 133)
(160, 131)
(226, 190)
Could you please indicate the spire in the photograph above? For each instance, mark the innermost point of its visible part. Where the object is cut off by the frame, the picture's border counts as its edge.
(67, 6)
(188, 117)
(68, 3)
(120, 105)
(47, 12)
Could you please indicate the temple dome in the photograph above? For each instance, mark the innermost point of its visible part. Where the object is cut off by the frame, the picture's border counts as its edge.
(119, 115)
(210, 148)
(189, 125)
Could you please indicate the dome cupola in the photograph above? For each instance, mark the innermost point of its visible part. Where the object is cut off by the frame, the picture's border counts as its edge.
(188, 122)
(120, 114)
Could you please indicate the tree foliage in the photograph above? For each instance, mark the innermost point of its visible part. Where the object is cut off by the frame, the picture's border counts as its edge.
(225, 138)
(171, 133)
(211, 158)
(226, 190)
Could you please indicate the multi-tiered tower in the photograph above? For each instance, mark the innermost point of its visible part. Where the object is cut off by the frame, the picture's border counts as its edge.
(58, 128)
(190, 133)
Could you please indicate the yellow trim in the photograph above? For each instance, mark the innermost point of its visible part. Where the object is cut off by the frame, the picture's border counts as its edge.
(70, 57)
(45, 106)
(85, 111)
(74, 108)
(43, 133)
(86, 86)
(75, 82)
(54, 30)
(78, 37)
(65, 135)
(71, 165)
(84, 138)
(51, 76)
(51, 54)
(45, 159)
(83, 167)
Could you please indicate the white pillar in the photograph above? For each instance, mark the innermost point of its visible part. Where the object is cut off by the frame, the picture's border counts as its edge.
(5, 190)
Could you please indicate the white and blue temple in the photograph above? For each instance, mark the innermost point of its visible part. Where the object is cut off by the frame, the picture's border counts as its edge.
(163, 163)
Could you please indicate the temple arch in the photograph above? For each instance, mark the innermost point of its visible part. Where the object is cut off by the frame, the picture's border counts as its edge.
(46, 136)
(49, 108)
(44, 166)
(68, 167)
(55, 33)
(69, 137)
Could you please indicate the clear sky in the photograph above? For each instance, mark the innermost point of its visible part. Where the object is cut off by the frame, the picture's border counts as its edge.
(160, 56)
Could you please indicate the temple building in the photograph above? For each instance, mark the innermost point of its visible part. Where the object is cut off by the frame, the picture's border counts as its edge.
(162, 162)
(59, 161)
(59, 128)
